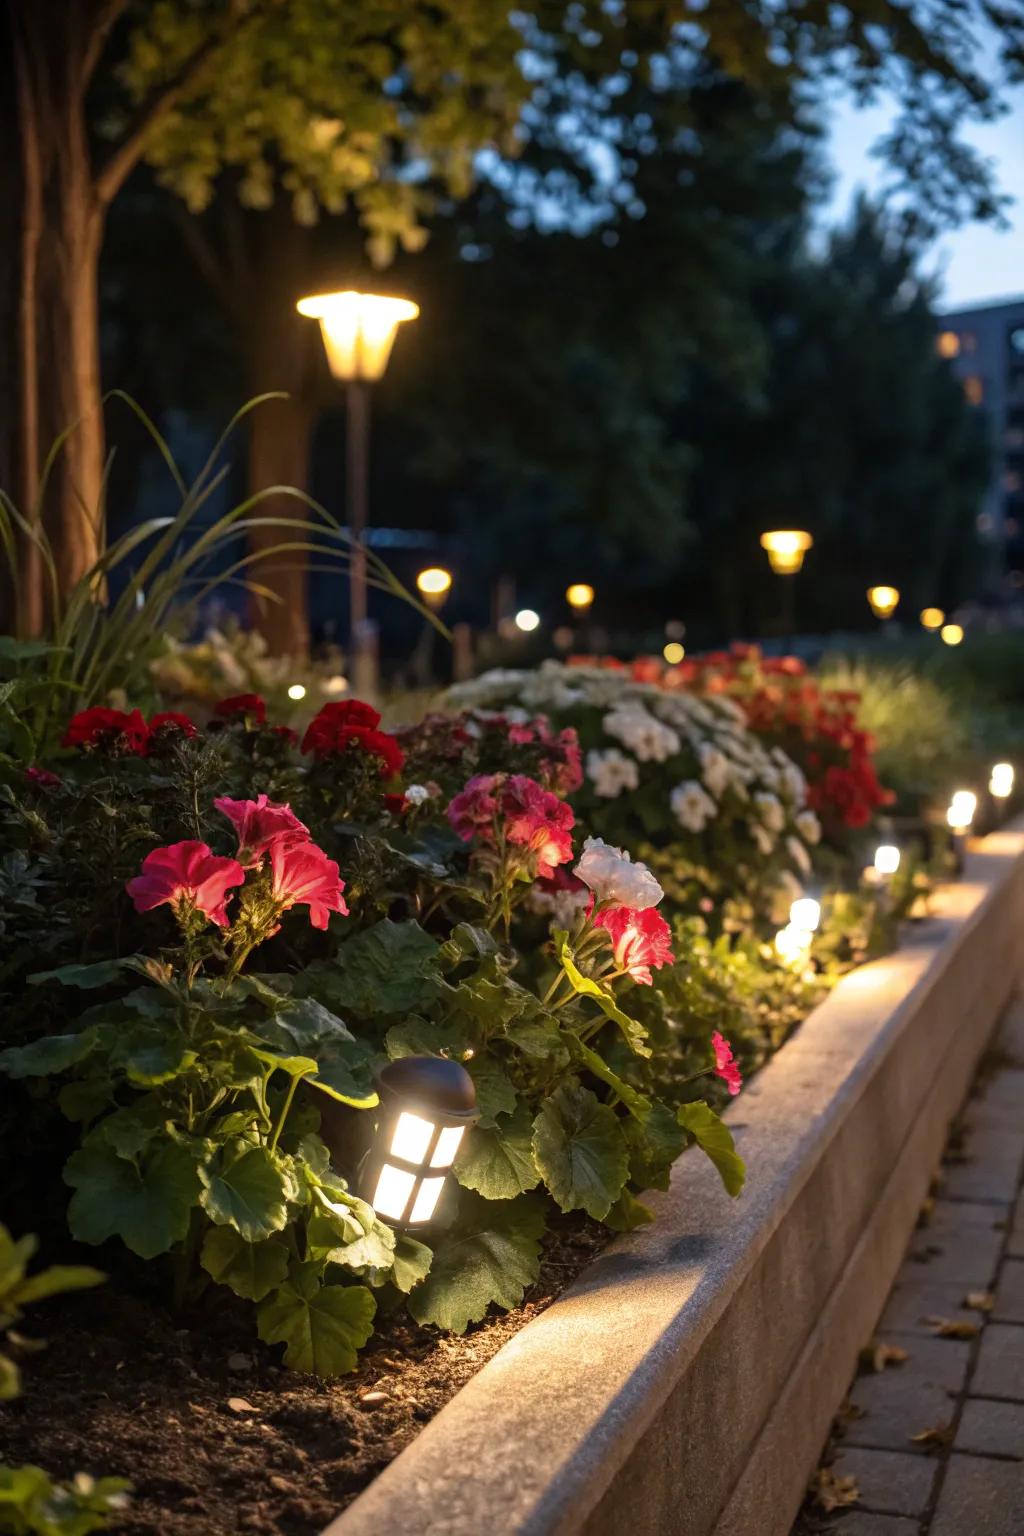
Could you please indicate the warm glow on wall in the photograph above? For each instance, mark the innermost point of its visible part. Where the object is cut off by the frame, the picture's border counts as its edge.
(884, 601)
(786, 548)
(358, 329)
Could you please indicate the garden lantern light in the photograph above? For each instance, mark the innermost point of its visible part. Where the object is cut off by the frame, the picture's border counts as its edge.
(786, 548)
(527, 620)
(884, 601)
(961, 811)
(1001, 779)
(434, 584)
(805, 913)
(887, 860)
(297, 692)
(792, 944)
(580, 595)
(358, 331)
(426, 1104)
(932, 618)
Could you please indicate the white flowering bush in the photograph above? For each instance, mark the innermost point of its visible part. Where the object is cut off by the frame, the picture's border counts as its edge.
(679, 780)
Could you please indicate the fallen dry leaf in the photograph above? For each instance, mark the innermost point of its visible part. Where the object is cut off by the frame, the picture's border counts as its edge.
(877, 1355)
(953, 1327)
(935, 1438)
(829, 1491)
(980, 1301)
(240, 1405)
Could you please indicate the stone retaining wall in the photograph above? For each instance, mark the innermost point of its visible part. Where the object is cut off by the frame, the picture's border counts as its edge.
(684, 1385)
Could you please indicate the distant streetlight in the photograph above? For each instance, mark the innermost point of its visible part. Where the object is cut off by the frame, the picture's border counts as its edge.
(358, 331)
(297, 691)
(527, 619)
(884, 601)
(952, 634)
(580, 595)
(673, 652)
(786, 548)
(932, 618)
(434, 584)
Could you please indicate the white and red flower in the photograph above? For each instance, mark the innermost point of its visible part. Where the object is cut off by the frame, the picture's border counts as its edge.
(641, 941)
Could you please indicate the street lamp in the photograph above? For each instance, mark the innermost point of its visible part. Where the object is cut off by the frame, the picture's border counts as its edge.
(932, 618)
(434, 584)
(580, 595)
(785, 548)
(951, 634)
(884, 601)
(358, 331)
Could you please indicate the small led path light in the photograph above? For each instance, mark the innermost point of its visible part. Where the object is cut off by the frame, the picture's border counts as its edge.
(426, 1104)
(887, 859)
(1000, 783)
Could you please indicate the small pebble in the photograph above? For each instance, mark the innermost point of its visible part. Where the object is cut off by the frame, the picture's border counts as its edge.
(239, 1362)
(240, 1405)
(372, 1399)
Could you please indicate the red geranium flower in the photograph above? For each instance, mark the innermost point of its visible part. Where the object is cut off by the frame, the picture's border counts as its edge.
(172, 722)
(340, 726)
(640, 940)
(303, 876)
(537, 820)
(243, 704)
(42, 778)
(189, 877)
(259, 824)
(111, 729)
(473, 808)
(725, 1067)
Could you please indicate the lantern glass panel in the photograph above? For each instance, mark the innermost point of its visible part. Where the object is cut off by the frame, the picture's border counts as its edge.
(427, 1196)
(412, 1137)
(447, 1146)
(394, 1186)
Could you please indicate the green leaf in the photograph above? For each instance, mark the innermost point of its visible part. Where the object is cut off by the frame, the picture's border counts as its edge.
(322, 1326)
(540, 1037)
(498, 1162)
(247, 1188)
(27, 650)
(495, 1094)
(654, 1144)
(713, 1137)
(54, 1282)
(412, 1262)
(634, 1033)
(389, 968)
(628, 1213)
(146, 1206)
(580, 1150)
(86, 977)
(339, 1080)
(638, 1106)
(153, 1055)
(334, 1224)
(249, 1269)
(10, 1387)
(307, 1023)
(373, 1250)
(491, 1255)
(295, 1066)
(53, 1053)
(467, 942)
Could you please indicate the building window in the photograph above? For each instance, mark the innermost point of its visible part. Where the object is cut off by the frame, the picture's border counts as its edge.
(948, 344)
(974, 389)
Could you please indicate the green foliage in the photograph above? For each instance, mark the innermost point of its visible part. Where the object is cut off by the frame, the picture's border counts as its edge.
(581, 1151)
(323, 1327)
(18, 1289)
(491, 1254)
(714, 1138)
(32, 1504)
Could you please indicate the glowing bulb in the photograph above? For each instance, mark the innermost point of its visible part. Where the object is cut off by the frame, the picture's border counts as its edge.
(785, 548)
(358, 329)
(805, 914)
(932, 618)
(447, 1145)
(884, 601)
(579, 595)
(1000, 782)
(435, 581)
(336, 684)
(674, 653)
(887, 859)
(412, 1137)
(792, 944)
(952, 634)
(961, 810)
(394, 1186)
(426, 1199)
(527, 619)
(297, 691)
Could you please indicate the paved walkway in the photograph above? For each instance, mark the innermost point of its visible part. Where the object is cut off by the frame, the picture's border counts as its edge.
(935, 1442)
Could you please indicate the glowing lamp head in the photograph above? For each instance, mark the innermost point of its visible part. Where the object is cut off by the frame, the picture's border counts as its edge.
(884, 601)
(887, 859)
(358, 329)
(951, 634)
(579, 595)
(674, 652)
(932, 618)
(434, 584)
(426, 1105)
(297, 692)
(805, 914)
(961, 810)
(1001, 779)
(527, 620)
(792, 944)
(785, 548)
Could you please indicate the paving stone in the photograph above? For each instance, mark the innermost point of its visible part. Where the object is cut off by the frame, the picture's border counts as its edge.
(890, 1482)
(961, 1243)
(991, 1429)
(997, 1106)
(1000, 1368)
(1015, 1245)
(859, 1523)
(903, 1400)
(992, 1170)
(913, 1300)
(1010, 1036)
(980, 1497)
(1009, 1307)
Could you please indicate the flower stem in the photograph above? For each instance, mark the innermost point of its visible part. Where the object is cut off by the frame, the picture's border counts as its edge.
(279, 1127)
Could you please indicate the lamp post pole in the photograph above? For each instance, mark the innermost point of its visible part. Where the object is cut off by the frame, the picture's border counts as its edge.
(357, 475)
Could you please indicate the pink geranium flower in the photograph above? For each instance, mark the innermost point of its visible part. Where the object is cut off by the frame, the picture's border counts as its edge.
(189, 877)
(260, 823)
(42, 778)
(725, 1066)
(473, 809)
(303, 876)
(640, 940)
(537, 820)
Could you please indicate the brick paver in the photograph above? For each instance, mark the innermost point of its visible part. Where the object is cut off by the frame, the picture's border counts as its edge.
(966, 1477)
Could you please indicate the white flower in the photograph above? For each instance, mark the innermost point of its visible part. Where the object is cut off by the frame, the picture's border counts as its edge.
(794, 785)
(809, 827)
(561, 906)
(611, 772)
(612, 876)
(769, 808)
(798, 853)
(417, 794)
(649, 739)
(715, 769)
(762, 837)
(692, 806)
(790, 885)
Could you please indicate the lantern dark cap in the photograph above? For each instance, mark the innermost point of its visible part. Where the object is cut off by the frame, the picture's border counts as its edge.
(433, 1081)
